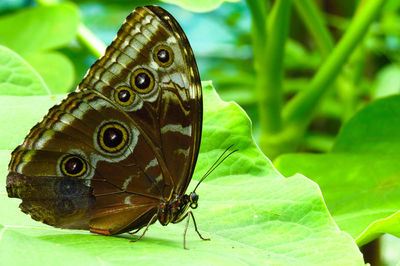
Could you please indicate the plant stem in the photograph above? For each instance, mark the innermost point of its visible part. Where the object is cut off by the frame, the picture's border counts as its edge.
(270, 73)
(347, 89)
(345, 82)
(90, 41)
(315, 23)
(300, 109)
(258, 13)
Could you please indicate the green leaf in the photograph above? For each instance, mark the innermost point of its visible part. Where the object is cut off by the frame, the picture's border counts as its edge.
(199, 6)
(375, 129)
(360, 177)
(16, 115)
(56, 69)
(17, 77)
(387, 81)
(33, 33)
(252, 214)
(40, 28)
(390, 247)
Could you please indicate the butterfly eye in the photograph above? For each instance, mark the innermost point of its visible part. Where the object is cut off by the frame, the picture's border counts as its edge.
(142, 80)
(163, 55)
(73, 165)
(124, 96)
(112, 137)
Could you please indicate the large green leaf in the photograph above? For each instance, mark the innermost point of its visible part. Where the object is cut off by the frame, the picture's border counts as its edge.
(387, 81)
(252, 214)
(55, 68)
(375, 129)
(198, 6)
(17, 77)
(21, 117)
(248, 209)
(360, 177)
(40, 28)
(33, 33)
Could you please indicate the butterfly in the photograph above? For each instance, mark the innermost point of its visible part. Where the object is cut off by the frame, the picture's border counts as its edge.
(117, 154)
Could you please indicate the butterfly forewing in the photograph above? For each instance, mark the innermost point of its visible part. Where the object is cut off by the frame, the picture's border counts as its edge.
(181, 120)
(170, 114)
(124, 142)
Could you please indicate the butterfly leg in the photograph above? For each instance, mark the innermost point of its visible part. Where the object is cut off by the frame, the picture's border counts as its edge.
(187, 216)
(195, 226)
(134, 232)
(145, 230)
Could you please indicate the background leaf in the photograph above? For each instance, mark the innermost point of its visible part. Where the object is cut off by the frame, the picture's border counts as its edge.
(387, 81)
(55, 68)
(19, 119)
(17, 77)
(360, 177)
(40, 28)
(390, 250)
(227, 57)
(33, 33)
(198, 6)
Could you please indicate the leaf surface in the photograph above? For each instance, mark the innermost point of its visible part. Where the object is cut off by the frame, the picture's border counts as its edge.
(17, 77)
(35, 33)
(40, 28)
(252, 214)
(56, 69)
(360, 177)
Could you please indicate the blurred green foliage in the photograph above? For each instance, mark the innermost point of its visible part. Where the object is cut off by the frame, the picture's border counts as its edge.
(302, 70)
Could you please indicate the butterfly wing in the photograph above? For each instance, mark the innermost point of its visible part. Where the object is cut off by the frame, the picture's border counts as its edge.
(169, 111)
(70, 174)
(145, 92)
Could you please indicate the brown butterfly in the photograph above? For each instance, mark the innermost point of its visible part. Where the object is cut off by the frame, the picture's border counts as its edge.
(118, 153)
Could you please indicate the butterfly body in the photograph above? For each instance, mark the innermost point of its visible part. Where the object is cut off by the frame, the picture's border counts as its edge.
(119, 152)
(174, 210)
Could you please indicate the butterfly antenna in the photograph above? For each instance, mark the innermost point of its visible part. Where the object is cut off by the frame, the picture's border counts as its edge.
(220, 159)
(207, 173)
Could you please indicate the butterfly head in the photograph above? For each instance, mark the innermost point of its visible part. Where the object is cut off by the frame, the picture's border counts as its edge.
(174, 210)
(193, 198)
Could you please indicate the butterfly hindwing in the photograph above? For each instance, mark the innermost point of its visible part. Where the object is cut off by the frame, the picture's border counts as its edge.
(105, 181)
